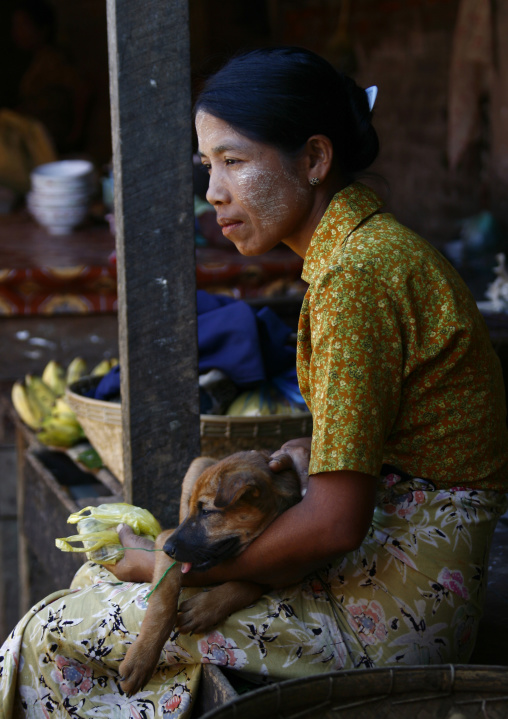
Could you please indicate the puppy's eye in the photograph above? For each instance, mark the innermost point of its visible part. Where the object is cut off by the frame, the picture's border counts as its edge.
(203, 511)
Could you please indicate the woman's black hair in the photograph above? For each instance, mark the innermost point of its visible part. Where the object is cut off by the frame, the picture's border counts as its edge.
(284, 95)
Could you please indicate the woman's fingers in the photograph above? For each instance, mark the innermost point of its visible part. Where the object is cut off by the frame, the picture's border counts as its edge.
(130, 539)
(294, 454)
(126, 534)
(137, 563)
(280, 460)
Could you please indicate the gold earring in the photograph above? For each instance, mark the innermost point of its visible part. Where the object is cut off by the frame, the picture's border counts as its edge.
(314, 181)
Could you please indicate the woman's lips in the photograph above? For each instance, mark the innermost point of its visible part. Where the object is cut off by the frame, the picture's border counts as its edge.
(229, 227)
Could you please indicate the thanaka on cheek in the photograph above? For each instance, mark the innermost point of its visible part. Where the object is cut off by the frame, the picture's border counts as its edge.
(260, 195)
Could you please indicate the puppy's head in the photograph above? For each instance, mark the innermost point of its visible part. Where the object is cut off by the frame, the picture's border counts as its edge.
(231, 503)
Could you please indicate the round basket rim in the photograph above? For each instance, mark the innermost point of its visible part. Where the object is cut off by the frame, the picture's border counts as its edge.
(213, 419)
(261, 419)
(115, 406)
(469, 677)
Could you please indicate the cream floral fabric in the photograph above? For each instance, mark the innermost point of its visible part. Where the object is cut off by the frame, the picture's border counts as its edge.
(394, 358)
(411, 594)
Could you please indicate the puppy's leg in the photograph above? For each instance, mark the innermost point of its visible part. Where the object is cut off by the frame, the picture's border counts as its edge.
(142, 656)
(204, 610)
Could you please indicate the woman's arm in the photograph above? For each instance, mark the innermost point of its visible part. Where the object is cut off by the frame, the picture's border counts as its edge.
(332, 519)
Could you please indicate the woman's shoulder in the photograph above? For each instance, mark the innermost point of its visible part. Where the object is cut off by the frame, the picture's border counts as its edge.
(383, 251)
(388, 265)
(380, 251)
(387, 243)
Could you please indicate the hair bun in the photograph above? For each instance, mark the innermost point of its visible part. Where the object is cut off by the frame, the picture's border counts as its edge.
(363, 146)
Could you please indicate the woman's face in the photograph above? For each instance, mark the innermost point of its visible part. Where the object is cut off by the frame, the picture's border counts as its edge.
(261, 197)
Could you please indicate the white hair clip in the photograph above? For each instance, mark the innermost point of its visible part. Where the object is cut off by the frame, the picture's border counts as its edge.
(371, 96)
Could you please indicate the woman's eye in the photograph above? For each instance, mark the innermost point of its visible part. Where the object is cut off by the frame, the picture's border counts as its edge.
(229, 161)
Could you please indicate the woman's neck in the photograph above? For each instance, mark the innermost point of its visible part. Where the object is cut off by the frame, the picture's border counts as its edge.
(323, 196)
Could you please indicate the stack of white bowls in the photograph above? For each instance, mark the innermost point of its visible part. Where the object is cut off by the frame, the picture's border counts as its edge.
(61, 193)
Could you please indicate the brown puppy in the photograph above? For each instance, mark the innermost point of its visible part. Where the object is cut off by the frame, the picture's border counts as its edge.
(224, 506)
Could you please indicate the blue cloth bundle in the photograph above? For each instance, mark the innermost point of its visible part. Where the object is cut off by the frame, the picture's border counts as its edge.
(248, 345)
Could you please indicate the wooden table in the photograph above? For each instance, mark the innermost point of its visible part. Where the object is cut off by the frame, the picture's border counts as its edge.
(53, 274)
(23, 244)
(31, 339)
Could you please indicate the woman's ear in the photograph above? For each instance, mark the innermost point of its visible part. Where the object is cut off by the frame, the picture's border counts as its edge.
(319, 156)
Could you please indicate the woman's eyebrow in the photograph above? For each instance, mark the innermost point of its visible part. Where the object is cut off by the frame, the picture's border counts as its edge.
(219, 149)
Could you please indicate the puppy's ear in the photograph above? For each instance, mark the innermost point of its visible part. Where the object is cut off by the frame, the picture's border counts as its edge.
(231, 488)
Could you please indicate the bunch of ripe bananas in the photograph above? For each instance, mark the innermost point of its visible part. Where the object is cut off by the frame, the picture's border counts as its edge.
(40, 403)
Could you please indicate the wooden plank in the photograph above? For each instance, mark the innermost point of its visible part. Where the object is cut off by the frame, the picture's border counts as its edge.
(9, 590)
(151, 121)
(43, 517)
(8, 541)
(23, 564)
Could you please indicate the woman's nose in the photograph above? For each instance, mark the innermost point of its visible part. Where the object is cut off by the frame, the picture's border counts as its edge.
(217, 193)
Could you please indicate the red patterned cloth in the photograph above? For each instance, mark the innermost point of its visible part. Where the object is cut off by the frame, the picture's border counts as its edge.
(42, 274)
(58, 290)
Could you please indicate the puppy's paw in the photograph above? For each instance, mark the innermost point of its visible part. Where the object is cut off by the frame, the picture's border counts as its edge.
(137, 669)
(198, 614)
(205, 610)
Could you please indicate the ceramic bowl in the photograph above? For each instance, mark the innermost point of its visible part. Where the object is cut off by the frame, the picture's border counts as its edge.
(58, 220)
(58, 199)
(68, 174)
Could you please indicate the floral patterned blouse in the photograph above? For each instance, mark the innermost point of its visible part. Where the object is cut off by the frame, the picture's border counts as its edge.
(394, 359)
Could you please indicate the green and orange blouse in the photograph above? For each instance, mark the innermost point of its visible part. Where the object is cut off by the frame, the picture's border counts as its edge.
(394, 358)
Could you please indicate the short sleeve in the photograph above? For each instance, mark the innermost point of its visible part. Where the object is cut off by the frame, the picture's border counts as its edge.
(354, 372)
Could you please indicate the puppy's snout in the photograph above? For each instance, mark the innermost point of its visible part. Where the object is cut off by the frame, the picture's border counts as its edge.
(170, 548)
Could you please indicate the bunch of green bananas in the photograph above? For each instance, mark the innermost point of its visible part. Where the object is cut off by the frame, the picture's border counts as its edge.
(40, 404)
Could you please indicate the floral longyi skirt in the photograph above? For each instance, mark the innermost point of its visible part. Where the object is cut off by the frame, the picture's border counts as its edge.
(411, 594)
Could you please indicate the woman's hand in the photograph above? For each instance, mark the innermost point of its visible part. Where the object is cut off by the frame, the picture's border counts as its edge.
(294, 454)
(136, 565)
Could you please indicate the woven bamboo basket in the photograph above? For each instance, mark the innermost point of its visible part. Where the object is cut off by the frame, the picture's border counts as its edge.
(220, 434)
(101, 422)
(224, 434)
(423, 692)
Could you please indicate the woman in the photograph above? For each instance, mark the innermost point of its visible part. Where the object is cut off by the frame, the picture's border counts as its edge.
(384, 560)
